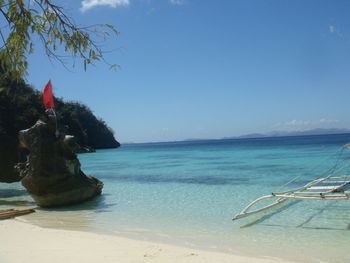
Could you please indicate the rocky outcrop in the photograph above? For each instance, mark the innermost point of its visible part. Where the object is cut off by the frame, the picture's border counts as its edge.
(21, 106)
(51, 174)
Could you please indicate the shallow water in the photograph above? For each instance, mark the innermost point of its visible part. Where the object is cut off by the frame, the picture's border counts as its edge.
(187, 192)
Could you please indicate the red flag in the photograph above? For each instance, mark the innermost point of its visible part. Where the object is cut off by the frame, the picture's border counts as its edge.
(47, 96)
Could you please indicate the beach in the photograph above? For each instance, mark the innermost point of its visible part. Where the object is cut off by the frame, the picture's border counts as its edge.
(22, 242)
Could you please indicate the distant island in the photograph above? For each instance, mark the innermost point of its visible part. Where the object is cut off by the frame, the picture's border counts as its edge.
(317, 131)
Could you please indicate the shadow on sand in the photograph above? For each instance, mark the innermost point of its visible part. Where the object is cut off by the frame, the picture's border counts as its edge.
(98, 204)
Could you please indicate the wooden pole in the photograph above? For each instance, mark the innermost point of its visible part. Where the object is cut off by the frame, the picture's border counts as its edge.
(11, 213)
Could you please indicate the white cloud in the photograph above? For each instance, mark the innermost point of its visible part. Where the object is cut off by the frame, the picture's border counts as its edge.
(300, 125)
(88, 4)
(336, 31)
(177, 2)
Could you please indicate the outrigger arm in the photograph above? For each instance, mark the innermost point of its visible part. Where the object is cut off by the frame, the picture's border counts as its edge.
(328, 188)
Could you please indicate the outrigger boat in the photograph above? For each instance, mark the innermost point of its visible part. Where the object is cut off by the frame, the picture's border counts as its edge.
(329, 187)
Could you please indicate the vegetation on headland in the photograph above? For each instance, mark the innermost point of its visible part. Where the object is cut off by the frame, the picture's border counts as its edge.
(21, 106)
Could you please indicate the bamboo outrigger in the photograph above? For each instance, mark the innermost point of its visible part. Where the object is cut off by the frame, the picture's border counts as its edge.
(327, 188)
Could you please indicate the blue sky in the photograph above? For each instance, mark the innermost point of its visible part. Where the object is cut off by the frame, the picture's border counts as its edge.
(211, 69)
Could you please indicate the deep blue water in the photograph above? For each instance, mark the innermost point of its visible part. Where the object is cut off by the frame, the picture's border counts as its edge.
(187, 193)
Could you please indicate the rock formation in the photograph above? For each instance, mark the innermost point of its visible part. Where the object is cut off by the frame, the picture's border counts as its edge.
(51, 174)
(21, 106)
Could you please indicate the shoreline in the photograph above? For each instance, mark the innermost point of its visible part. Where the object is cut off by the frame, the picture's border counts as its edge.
(24, 242)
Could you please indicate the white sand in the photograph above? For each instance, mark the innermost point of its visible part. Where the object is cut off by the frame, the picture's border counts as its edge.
(25, 243)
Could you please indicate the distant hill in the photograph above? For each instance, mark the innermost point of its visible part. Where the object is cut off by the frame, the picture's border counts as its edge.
(318, 131)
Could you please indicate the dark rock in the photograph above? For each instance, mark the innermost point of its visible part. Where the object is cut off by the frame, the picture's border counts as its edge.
(52, 174)
(8, 158)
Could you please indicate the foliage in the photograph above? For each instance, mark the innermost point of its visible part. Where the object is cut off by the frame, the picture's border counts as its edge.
(26, 20)
(82, 123)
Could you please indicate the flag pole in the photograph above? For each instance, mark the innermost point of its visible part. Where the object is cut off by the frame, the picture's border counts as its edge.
(56, 123)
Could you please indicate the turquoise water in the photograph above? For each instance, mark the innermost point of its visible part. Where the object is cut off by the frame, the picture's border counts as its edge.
(187, 192)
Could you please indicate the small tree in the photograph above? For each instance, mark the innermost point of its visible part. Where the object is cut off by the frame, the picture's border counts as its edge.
(26, 20)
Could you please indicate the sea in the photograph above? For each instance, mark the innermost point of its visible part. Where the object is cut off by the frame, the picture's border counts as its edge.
(186, 193)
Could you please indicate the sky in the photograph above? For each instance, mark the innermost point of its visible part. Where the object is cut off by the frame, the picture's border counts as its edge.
(210, 69)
